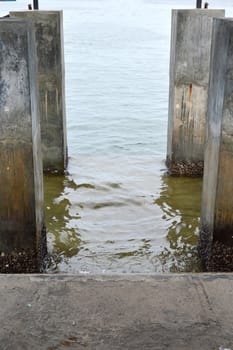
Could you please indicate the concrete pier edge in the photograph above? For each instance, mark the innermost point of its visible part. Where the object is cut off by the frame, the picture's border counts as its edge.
(106, 312)
(216, 234)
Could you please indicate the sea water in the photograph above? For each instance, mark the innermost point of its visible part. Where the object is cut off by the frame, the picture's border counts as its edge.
(117, 211)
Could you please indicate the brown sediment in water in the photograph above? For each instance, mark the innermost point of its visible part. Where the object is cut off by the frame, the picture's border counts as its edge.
(216, 256)
(192, 169)
(25, 261)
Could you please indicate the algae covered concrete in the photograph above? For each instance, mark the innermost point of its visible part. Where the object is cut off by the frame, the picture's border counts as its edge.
(22, 239)
(188, 93)
(133, 312)
(216, 239)
(51, 72)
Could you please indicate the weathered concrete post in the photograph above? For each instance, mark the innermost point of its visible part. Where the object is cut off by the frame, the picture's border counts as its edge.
(49, 42)
(188, 93)
(22, 232)
(36, 4)
(216, 237)
(198, 4)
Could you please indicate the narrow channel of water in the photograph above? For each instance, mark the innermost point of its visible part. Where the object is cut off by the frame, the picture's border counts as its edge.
(117, 210)
(122, 214)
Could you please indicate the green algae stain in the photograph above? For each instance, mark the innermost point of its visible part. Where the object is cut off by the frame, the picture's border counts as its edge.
(126, 254)
(68, 246)
(180, 202)
(114, 185)
(66, 239)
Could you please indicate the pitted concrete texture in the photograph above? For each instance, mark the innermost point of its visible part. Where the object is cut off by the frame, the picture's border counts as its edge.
(173, 312)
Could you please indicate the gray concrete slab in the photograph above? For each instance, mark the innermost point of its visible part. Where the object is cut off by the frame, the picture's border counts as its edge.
(116, 312)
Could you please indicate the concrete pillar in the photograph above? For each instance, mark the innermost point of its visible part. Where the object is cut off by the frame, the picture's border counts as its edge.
(189, 75)
(49, 42)
(22, 232)
(216, 236)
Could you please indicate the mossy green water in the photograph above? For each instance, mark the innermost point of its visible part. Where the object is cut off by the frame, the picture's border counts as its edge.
(94, 226)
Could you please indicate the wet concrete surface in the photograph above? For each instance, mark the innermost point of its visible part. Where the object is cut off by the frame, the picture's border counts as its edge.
(116, 312)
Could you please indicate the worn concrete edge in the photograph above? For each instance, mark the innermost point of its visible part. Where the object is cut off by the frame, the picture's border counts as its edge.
(118, 277)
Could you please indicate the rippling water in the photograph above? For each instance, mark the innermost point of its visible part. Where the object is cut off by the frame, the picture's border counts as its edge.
(117, 210)
(122, 213)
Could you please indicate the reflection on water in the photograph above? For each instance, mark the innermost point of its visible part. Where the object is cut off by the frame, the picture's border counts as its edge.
(119, 213)
(180, 200)
(62, 236)
(116, 211)
(134, 219)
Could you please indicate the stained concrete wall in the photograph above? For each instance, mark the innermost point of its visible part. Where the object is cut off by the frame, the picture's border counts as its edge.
(22, 234)
(188, 93)
(50, 52)
(216, 239)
